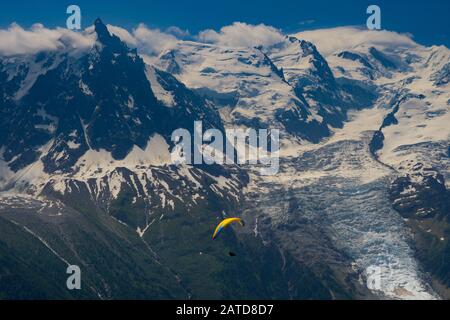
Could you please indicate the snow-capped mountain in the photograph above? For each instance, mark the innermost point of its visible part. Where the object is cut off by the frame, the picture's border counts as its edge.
(359, 209)
(287, 86)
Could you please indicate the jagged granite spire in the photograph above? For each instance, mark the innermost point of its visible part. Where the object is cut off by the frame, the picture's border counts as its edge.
(105, 37)
(101, 30)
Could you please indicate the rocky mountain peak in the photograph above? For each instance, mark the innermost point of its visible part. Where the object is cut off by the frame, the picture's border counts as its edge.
(106, 38)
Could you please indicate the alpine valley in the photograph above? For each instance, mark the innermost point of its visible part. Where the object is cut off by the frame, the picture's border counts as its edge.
(360, 207)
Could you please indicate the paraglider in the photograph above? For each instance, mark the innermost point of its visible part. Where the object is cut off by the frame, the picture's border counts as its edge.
(226, 223)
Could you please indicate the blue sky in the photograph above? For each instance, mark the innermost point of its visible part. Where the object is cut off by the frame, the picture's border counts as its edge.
(427, 20)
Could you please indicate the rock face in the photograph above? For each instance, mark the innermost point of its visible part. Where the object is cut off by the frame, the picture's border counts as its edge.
(424, 195)
(94, 148)
(359, 207)
(289, 85)
(103, 100)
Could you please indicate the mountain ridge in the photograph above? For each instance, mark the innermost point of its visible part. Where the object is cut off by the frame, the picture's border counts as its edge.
(87, 139)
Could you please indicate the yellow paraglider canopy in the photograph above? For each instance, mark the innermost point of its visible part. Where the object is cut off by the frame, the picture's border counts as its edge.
(225, 223)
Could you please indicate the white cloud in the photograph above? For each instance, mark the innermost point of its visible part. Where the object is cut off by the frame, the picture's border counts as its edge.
(241, 34)
(153, 41)
(147, 41)
(16, 40)
(329, 41)
(178, 33)
(150, 41)
(123, 34)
